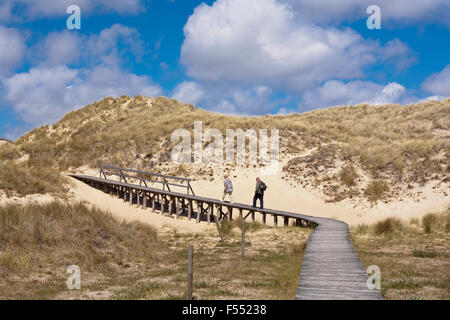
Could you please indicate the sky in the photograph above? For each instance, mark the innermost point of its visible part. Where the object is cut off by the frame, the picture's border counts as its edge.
(241, 57)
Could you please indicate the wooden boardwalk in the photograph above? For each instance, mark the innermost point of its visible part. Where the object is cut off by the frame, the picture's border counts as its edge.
(331, 268)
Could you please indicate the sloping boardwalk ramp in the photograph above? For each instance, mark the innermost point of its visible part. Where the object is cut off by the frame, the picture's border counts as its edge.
(331, 268)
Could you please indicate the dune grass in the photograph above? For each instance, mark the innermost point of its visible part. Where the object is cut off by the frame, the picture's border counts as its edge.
(414, 257)
(121, 260)
(390, 143)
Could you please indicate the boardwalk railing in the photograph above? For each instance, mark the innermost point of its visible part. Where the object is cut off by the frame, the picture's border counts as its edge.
(144, 177)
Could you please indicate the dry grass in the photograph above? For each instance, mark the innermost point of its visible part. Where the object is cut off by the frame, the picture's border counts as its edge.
(388, 226)
(23, 179)
(414, 264)
(391, 143)
(376, 190)
(130, 261)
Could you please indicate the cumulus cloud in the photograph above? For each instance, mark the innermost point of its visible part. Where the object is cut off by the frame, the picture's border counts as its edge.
(32, 9)
(260, 41)
(403, 12)
(73, 70)
(227, 98)
(45, 94)
(334, 93)
(12, 45)
(188, 92)
(439, 83)
(107, 47)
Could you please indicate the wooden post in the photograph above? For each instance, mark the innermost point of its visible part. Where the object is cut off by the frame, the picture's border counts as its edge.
(177, 208)
(199, 211)
(264, 218)
(209, 213)
(154, 202)
(124, 194)
(230, 214)
(190, 210)
(286, 221)
(131, 196)
(243, 238)
(162, 202)
(170, 207)
(253, 216)
(144, 204)
(190, 271)
(216, 220)
(275, 221)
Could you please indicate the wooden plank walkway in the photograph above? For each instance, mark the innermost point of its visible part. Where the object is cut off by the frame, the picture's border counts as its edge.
(331, 268)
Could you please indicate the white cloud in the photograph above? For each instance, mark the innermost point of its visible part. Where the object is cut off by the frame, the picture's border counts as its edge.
(16, 10)
(59, 48)
(188, 92)
(12, 45)
(226, 98)
(65, 47)
(439, 83)
(55, 85)
(404, 12)
(260, 41)
(334, 93)
(45, 94)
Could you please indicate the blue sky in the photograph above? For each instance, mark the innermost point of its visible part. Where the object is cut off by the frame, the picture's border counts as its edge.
(231, 56)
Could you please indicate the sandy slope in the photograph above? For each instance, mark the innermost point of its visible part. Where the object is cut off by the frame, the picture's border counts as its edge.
(283, 196)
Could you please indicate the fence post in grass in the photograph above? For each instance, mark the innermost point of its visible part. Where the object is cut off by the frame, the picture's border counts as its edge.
(243, 238)
(190, 272)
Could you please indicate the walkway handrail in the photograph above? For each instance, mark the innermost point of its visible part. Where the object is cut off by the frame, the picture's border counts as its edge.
(142, 176)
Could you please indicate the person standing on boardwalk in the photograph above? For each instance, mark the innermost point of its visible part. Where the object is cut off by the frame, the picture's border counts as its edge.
(259, 192)
(227, 188)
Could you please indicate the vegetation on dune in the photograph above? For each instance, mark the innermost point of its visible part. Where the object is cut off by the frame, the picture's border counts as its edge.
(414, 257)
(121, 260)
(391, 143)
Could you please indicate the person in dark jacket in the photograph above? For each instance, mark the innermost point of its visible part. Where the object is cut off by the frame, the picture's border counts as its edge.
(259, 193)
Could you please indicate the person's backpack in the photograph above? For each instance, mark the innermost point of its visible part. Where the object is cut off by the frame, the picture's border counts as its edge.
(263, 186)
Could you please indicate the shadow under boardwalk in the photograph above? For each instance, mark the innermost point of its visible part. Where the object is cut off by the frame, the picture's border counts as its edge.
(331, 268)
